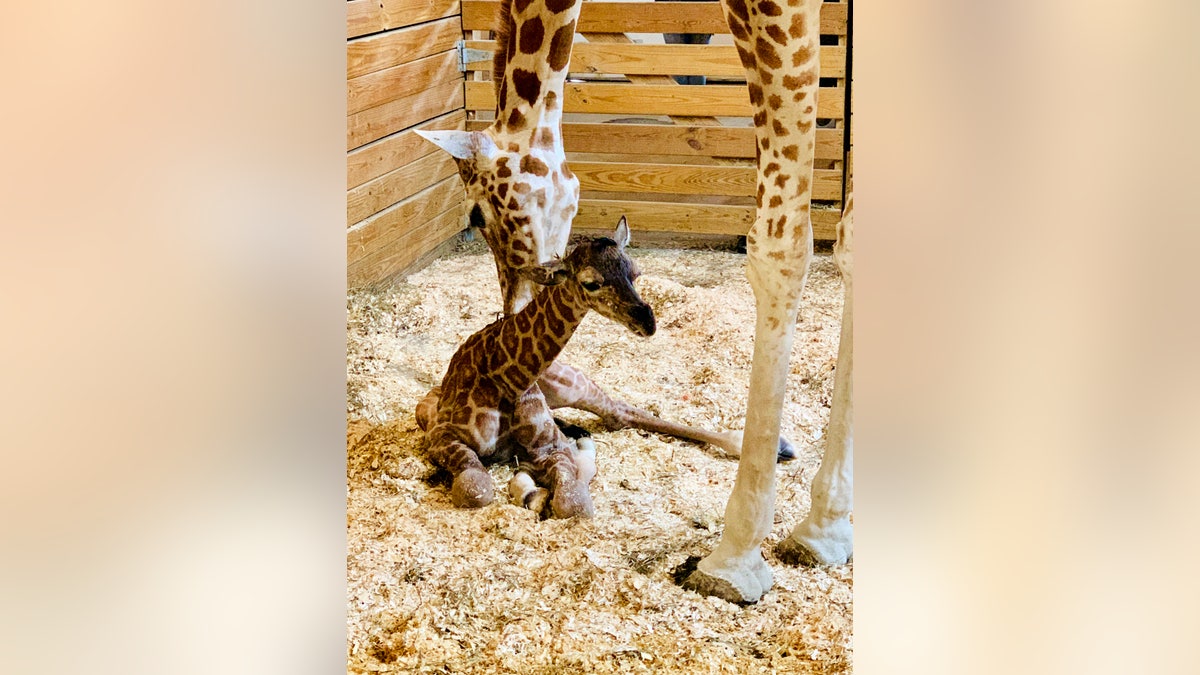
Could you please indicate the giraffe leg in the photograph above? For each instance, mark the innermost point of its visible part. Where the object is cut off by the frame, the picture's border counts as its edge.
(566, 387)
(736, 570)
(427, 408)
(552, 456)
(472, 486)
(780, 53)
(825, 536)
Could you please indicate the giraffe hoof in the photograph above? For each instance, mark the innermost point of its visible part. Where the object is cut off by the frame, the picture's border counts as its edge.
(472, 489)
(573, 500)
(786, 452)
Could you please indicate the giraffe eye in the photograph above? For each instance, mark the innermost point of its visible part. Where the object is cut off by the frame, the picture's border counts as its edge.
(591, 286)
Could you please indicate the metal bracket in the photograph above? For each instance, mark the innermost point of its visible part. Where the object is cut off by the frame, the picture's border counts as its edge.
(466, 56)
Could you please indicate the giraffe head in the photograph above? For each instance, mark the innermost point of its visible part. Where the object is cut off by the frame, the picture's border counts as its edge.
(520, 194)
(600, 275)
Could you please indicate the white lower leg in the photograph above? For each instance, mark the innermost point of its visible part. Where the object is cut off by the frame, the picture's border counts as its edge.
(736, 569)
(825, 536)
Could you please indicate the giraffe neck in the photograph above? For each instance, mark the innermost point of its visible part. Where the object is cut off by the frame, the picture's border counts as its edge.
(543, 328)
(534, 48)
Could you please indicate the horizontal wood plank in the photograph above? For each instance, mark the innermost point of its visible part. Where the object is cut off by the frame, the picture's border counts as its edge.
(641, 59)
(375, 123)
(688, 179)
(394, 151)
(382, 262)
(399, 81)
(399, 184)
(601, 214)
(717, 100)
(362, 17)
(386, 226)
(648, 17)
(371, 16)
(666, 139)
(376, 52)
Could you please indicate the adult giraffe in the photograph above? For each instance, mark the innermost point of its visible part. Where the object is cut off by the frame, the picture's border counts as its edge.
(523, 196)
(779, 45)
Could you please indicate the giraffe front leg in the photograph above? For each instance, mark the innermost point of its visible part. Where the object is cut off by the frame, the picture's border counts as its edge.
(554, 461)
(566, 387)
(472, 486)
(736, 570)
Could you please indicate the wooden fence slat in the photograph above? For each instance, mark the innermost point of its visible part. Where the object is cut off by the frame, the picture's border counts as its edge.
(718, 100)
(376, 52)
(399, 81)
(689, 179)
(602, 214)
(386, 261)
(375, 123)
(362, 17)
(665, 139)
(372, 16)
(394, 151)
(654, 59)
(378, 194)
(648, 17)
(383, 228)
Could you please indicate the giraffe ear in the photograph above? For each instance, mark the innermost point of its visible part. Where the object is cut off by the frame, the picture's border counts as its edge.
(621, 235)
(552, 273)
(460, 144)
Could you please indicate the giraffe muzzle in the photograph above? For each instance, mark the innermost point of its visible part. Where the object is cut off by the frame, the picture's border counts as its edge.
(643, 320)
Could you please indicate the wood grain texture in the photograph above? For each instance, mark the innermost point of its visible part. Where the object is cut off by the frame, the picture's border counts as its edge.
(371, 16)
(375, 123)
(376, 52)
(362, 17)
(648, 17)
(688, 179)
(603, 214)
(654, 59)
(394, 151)
(395, 257)
(385, 227)
(399, 81)
(718, 100)
(399, 184)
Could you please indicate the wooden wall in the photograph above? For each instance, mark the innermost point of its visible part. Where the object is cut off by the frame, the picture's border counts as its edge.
(403, 195)
(673, 157)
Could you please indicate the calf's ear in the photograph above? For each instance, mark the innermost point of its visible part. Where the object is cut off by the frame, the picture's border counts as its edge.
(621, 235)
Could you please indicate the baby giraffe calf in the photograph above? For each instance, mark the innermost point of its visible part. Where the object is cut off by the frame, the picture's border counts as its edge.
(485, 403)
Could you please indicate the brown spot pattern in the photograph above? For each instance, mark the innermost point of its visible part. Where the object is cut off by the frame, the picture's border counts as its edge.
(559, 6)
(533, 165)
(769, 8)
(776, 33)
(799, 28)
(560, 47)
(791, 152)
(527, 84)
(516, 119)
(532, 32)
